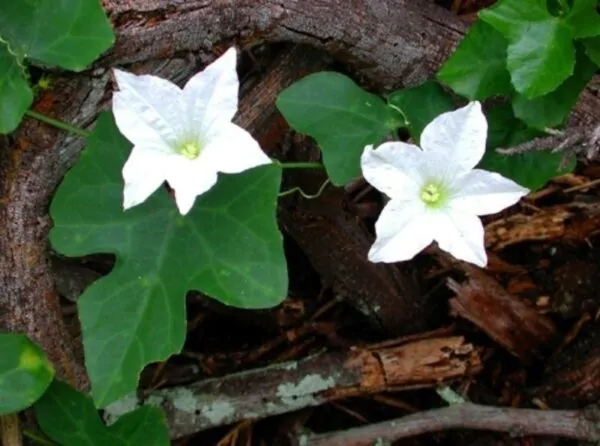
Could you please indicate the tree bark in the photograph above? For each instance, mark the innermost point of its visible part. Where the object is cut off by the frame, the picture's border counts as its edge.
(392, 43)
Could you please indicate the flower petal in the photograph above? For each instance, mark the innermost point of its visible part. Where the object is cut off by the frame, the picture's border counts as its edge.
(143, 173)
(189, 179)
(482, 193)
(232, 150)
(456, 140)
(212, 95)
(394, 168)
(148, 110)
(403, 230)
(460, 234)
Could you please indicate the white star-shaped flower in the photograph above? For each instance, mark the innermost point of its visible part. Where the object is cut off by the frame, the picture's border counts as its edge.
(182, 136)
(435, 192)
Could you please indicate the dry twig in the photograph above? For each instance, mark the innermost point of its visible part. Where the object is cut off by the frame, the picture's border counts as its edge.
(574, 424)
(577, 139)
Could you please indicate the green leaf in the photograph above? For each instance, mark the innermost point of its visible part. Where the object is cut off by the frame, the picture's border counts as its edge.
(25, 372)
(554, 108)
(228, 247)
(421, 105)
(70, 419)
(541, 54)
(15, 95)
(477, 69)
(584, 19)
(532, 169)
(505, 130)
(592, 49)
(143, 426)
(340, 116)
(68, 33)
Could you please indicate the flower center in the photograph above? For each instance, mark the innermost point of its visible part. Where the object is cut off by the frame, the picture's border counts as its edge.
(190, 150)
(433, 195)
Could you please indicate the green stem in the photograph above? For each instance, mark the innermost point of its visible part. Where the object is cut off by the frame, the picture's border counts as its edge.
(305, 195)
(300, 165)
(399, 110)
(58, 124)
(36, 438)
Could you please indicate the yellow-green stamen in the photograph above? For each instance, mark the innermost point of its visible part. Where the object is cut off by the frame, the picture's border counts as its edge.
(190, 150)
(433, 195)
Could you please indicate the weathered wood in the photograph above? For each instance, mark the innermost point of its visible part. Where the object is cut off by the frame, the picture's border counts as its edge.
(507, 319)
(579, 425)
(570, 222)
(310, 382)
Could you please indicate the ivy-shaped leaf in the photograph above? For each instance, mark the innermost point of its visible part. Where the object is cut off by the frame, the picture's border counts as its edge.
(25, 372)
(421, 104)
(15, 94)
(554, 108)
(228, 247)
(70, 419)
(584, 19)
(532, 169)
(541, 54)
(340, 116)
(69, 34)
(477, 69)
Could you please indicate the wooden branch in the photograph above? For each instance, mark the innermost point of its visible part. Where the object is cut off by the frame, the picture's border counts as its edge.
(577, 425)
(313, 381)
